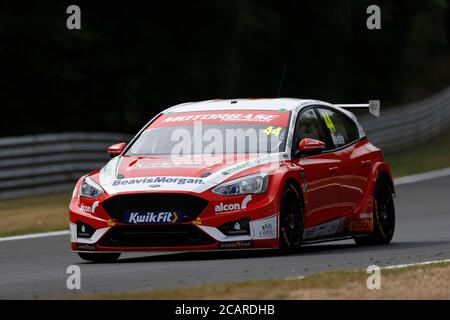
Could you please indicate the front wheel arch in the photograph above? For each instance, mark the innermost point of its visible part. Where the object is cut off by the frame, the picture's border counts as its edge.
(291, 228)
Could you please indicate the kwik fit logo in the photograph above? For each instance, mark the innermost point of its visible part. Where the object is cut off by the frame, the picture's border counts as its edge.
(151, 217)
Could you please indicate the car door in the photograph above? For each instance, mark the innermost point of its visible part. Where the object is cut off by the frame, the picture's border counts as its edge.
(355, 159)
(321, 189)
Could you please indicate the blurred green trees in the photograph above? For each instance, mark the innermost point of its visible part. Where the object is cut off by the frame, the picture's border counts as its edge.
(131, 60)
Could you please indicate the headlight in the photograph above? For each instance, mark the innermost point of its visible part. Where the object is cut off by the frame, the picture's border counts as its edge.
(256, 183)
(90, 189)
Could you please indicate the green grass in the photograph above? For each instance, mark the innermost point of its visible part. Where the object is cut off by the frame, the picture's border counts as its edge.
(431, 155)
(34, 214)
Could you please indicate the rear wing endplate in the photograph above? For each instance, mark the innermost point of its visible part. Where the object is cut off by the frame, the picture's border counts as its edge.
(373, 106)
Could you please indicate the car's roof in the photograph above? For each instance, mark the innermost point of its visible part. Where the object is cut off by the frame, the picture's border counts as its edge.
(243, 104)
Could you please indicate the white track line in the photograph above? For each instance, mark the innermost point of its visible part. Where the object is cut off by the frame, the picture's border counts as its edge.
(398, 266)
(399, 181)
(422, 176)
(36, 235)
(294, 278)
(424, 263)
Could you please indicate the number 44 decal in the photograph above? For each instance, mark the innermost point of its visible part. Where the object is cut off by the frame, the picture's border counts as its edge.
(272, 131)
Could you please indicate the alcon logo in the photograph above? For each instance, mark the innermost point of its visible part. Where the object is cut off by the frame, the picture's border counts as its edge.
(89, 209)
(223, 207)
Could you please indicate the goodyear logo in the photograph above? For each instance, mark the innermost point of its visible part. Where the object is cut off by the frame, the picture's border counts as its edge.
(236, 244)
(152, 217)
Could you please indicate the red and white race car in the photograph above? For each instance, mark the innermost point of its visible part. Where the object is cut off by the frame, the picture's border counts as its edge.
(236, 174)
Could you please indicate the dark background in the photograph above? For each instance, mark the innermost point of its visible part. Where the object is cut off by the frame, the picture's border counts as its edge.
(131, 60)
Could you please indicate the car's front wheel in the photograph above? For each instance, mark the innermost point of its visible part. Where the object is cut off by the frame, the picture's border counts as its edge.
(99, 257)
(383, 215)
(291, 218)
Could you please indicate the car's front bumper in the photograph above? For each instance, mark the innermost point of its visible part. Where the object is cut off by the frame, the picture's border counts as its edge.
(104, 232)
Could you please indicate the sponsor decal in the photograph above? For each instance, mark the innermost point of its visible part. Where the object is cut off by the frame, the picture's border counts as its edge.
(222, 117)
(271, 117)
(246, 164)
(151, 217)
(84, 230)
(89, 209)
(338, 139)
(236, 228)
(236, 244)
(157, 180)
(265, 228)
(225, 208)
(176, 163)
(361, 226)
(267, 231)
(197, 222)
(365, 215)
(86, 247)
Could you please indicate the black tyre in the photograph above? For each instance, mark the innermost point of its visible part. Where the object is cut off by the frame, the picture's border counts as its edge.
(291, 218)
(99, 257)
(384, 215)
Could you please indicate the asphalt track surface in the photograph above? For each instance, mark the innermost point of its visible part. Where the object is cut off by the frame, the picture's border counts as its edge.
(36, 268)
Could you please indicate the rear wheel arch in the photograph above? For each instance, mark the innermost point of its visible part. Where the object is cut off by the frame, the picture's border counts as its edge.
(380, 168)
(383, 212)
(387, 177)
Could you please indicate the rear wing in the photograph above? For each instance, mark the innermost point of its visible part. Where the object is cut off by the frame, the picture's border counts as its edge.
(373, 106)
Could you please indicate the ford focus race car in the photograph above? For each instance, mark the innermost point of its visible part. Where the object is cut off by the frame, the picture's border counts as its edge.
(236, 174)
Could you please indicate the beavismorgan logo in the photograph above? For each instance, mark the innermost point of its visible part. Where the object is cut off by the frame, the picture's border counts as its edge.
(223, 208)
(175, 180)
(151, 217)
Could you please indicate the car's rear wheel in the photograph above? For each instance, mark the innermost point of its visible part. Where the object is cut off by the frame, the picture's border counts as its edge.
(383, 215)
(291, 218)
(99, 257)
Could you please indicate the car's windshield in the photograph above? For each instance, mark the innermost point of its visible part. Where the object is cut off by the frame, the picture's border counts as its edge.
(214, 132)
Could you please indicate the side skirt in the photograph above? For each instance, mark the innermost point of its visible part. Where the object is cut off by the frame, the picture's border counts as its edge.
(327, 239)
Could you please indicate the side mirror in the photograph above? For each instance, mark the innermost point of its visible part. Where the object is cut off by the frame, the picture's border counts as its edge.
(308, 146)
(116, 149)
